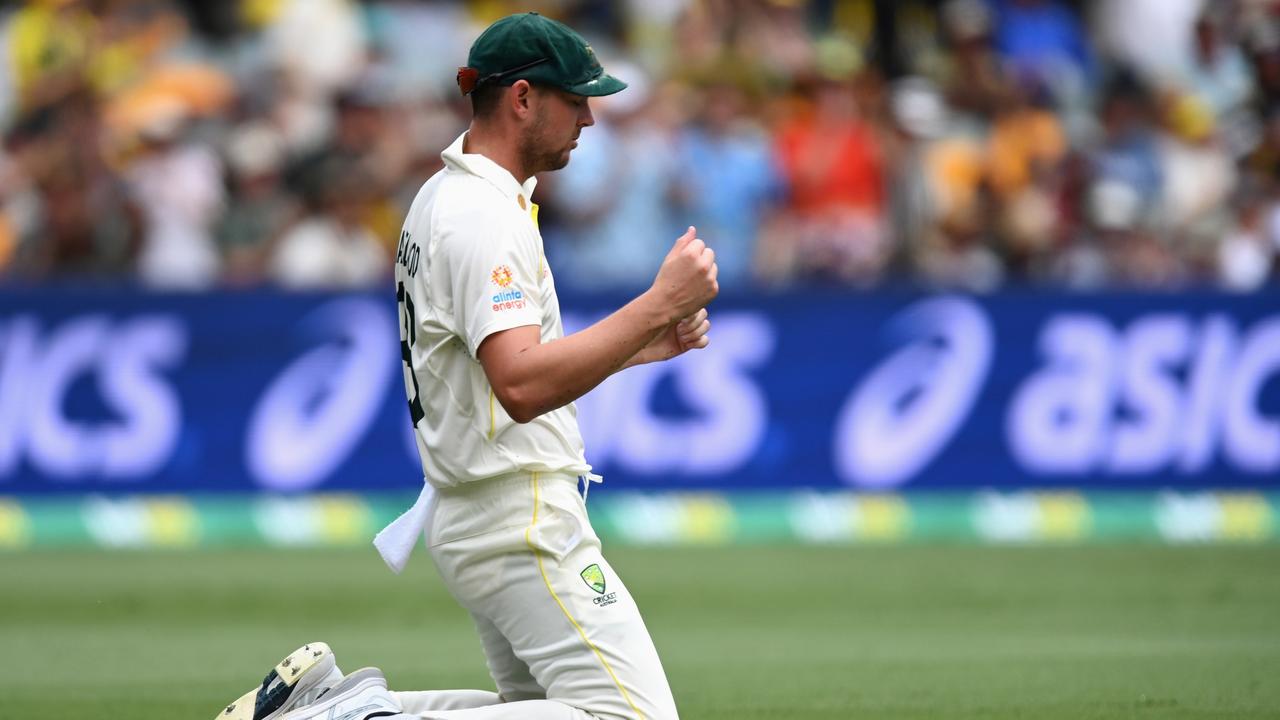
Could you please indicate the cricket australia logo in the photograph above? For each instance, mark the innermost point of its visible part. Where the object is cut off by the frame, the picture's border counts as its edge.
(593, 576)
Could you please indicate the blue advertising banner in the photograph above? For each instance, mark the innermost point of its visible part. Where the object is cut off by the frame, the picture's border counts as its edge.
(111, 392)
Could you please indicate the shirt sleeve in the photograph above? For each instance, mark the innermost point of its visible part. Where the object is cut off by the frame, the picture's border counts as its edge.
(495, 283)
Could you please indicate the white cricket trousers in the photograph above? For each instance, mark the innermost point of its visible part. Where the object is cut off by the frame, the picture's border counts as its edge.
(561, 634)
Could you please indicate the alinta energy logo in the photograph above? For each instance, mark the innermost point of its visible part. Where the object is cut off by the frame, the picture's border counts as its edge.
(507, 297)
(502, 276)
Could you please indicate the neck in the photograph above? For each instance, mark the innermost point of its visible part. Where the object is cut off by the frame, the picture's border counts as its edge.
(497, 146)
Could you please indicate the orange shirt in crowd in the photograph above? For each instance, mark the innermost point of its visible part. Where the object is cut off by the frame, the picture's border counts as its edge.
(1020, 141)
(831, 166)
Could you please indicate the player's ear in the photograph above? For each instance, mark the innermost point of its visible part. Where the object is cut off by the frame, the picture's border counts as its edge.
(521, 97)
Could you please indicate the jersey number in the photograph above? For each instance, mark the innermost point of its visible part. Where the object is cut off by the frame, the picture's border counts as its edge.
(409, 336)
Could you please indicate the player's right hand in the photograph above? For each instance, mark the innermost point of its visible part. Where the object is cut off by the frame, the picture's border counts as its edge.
(686, 281)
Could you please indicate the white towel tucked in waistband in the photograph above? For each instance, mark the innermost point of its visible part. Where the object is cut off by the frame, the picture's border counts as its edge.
(396, 541)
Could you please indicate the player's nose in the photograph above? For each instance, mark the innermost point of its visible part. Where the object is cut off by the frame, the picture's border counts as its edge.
(585, 116)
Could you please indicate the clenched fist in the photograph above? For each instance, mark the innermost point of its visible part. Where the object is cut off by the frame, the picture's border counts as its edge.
(686, 281)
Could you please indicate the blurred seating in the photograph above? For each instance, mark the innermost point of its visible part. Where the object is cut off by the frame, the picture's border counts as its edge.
(963, 144)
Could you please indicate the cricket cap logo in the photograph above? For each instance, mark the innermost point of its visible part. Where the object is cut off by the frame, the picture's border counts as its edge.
(593, 576)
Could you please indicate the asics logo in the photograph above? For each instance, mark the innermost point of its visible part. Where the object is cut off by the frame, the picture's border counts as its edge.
(352, 714)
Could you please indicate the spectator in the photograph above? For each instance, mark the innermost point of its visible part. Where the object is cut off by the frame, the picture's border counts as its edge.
(1199, 178)
(1018, 165)
(363, 143)
(1042, 39)
(1026, 141)
(1122, 250)
(729, 182)
(331, 247)
(1247, 255)
(177, 183)
(615, 197)
(1165, 27)
(319, 44)
(974, 81)
(830, 157)
(259, 210)
(920, 118)
(1128, 152)
(1266, 64)
(49, 43)
(1085, 261)
(401, 28)
(936, 181)
(1218, 73)
(962, 258)
(69, 215)
(1263, 160)
(1025, 152)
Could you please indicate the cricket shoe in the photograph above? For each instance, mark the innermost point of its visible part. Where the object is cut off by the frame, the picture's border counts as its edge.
(301, 678)
(362, 695)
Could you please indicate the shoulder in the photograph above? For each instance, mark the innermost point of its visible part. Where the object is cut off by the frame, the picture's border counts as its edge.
(450, 202)
(471, 212)
(464, 199)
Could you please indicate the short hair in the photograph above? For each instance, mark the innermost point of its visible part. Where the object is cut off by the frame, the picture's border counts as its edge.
(485, 98)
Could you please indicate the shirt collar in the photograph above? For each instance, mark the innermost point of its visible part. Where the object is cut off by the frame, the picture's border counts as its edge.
(483, 167)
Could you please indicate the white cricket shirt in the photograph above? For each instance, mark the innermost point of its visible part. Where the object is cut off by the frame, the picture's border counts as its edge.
(469, 264)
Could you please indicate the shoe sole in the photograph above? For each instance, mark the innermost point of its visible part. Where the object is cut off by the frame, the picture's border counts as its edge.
(261, 702)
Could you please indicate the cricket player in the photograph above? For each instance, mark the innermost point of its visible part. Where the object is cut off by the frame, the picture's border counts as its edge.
(491, 380)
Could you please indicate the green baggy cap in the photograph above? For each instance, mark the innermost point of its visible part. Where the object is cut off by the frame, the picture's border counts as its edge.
(538, 49)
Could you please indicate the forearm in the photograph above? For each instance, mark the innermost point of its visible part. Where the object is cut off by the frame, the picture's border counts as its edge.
(530, 378)
(640, 358)
(546, 376)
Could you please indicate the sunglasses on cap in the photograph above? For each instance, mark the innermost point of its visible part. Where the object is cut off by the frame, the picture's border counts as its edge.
(469, 78)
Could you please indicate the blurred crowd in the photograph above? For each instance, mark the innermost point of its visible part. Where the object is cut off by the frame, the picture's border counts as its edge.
(968, 144)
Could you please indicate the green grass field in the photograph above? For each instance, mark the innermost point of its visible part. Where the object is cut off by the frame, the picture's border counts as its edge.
(765, 632)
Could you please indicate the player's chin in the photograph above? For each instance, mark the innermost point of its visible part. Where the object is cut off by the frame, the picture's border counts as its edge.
(562, 159)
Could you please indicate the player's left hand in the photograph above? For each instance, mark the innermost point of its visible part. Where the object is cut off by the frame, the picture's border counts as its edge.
(691, 332)
(681, 337)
